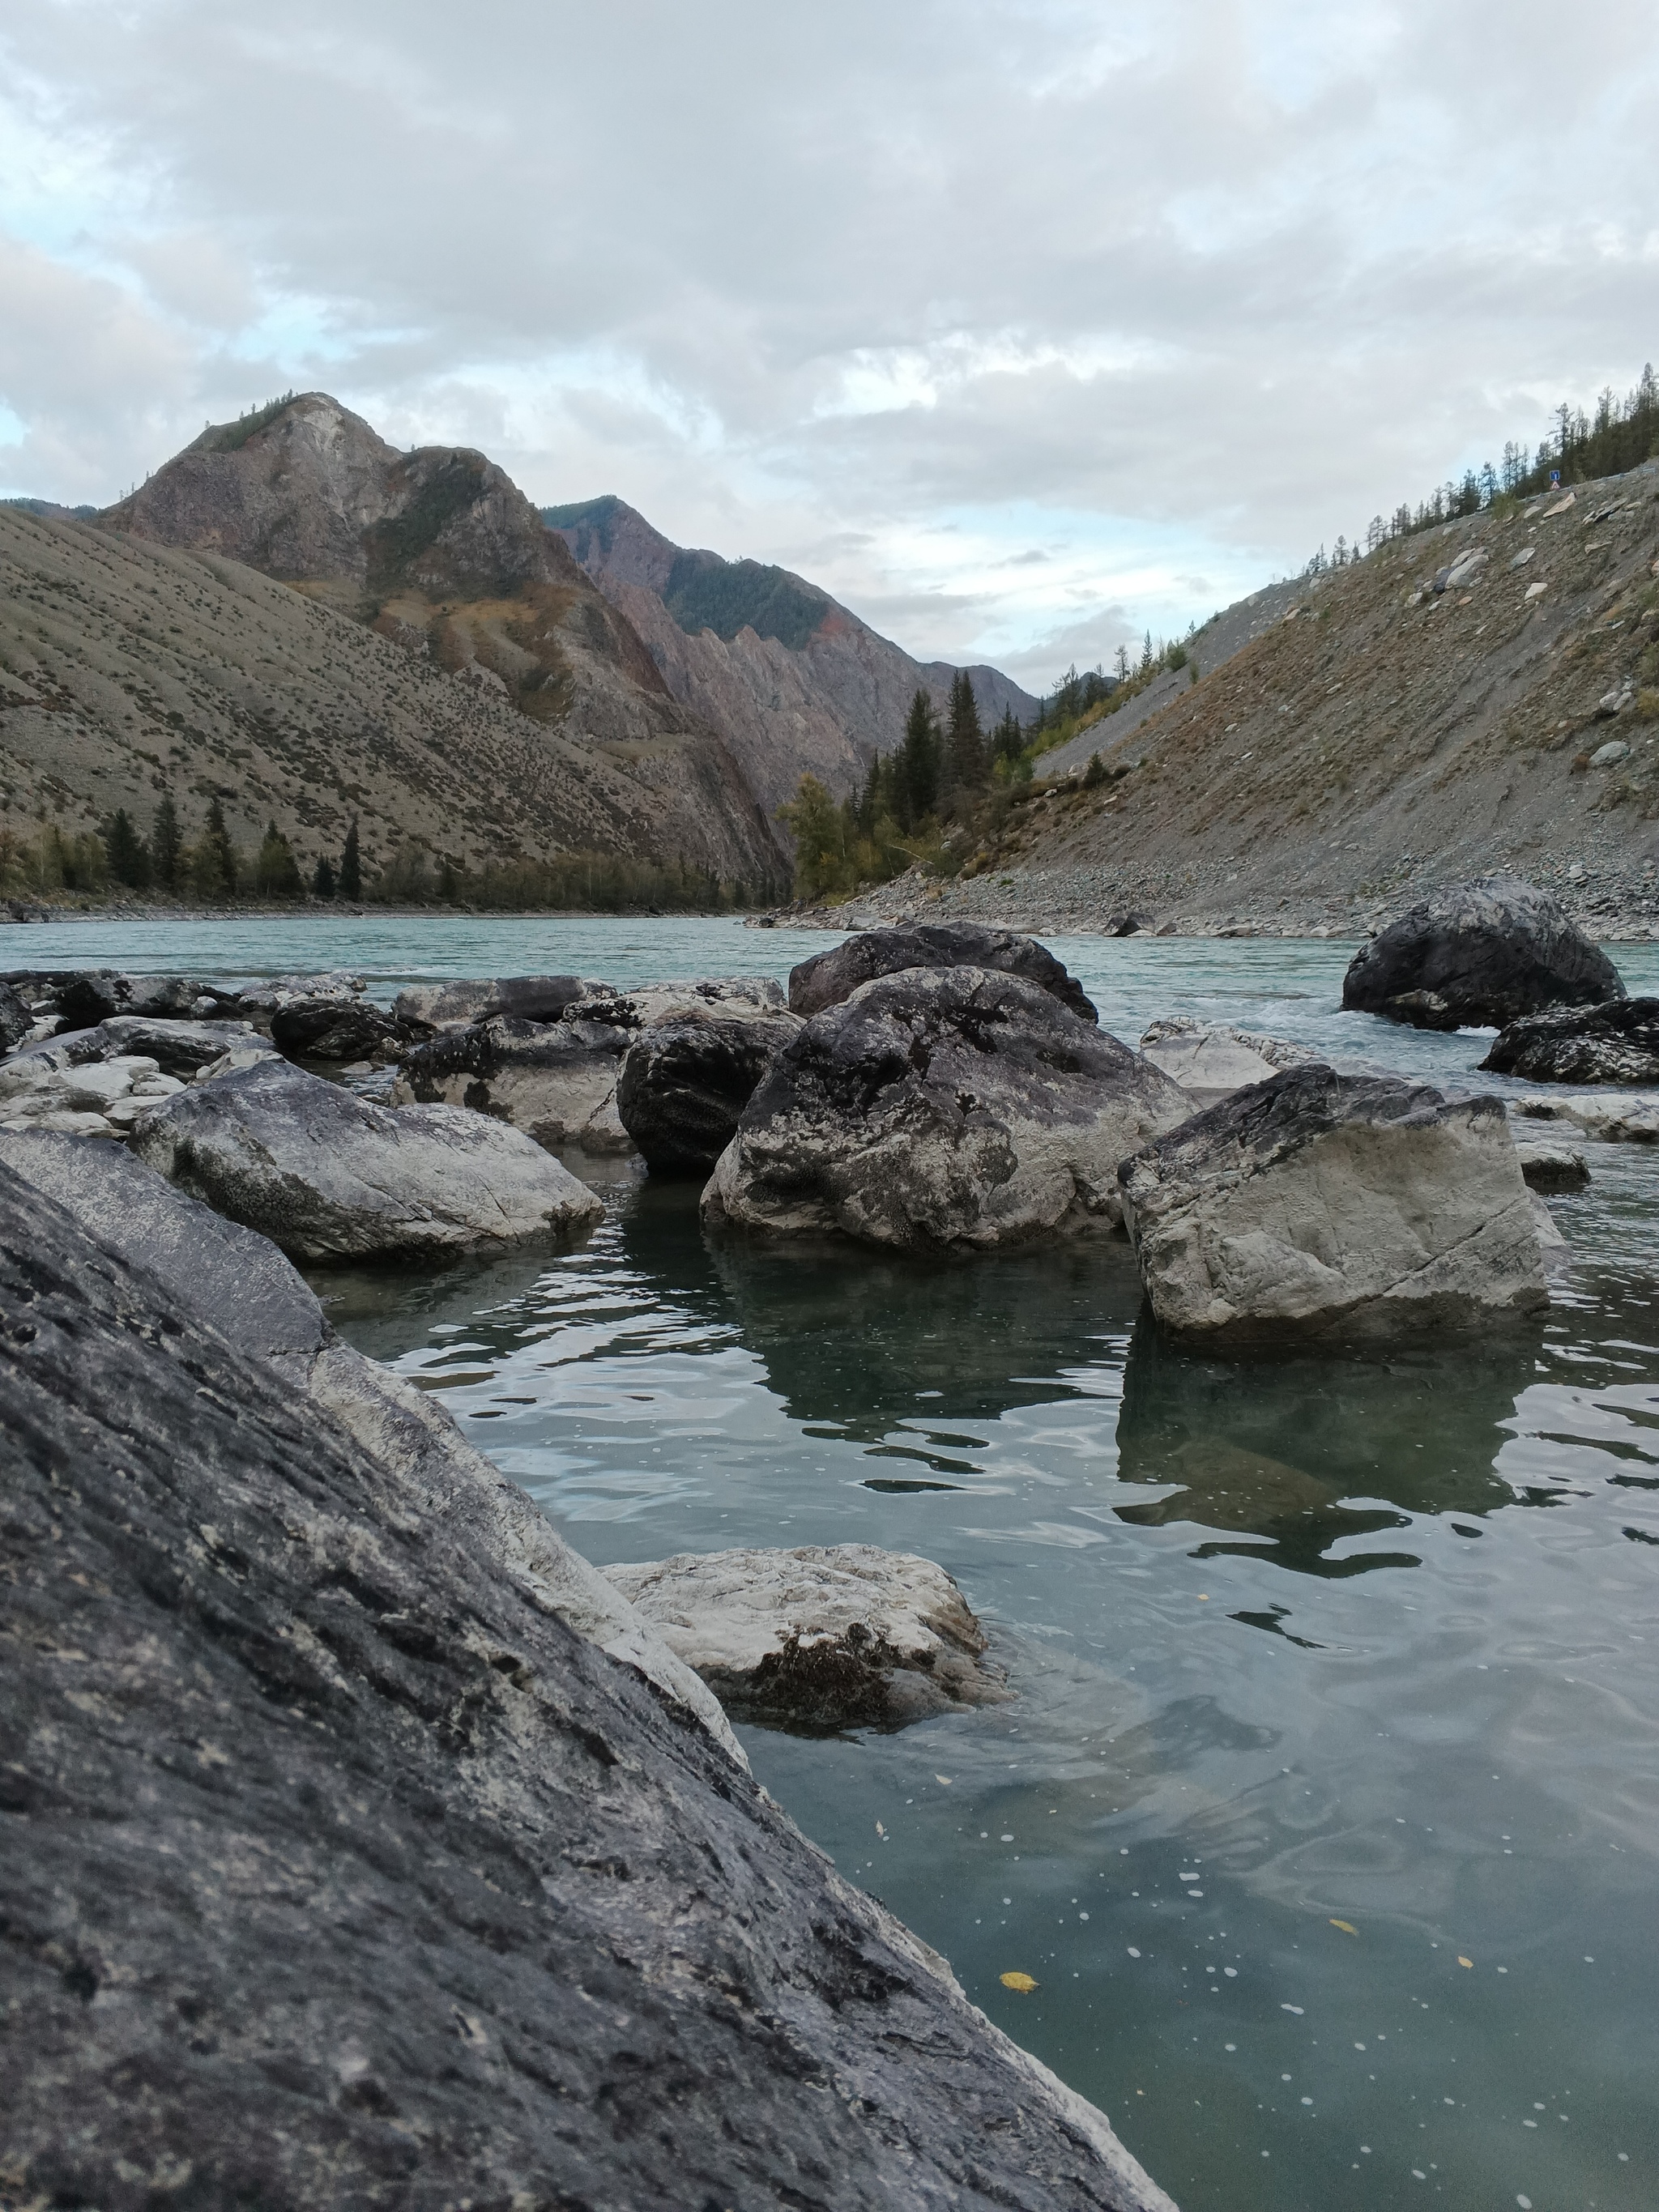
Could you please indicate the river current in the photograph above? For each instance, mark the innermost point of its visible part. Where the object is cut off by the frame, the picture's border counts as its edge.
(1327, 1815)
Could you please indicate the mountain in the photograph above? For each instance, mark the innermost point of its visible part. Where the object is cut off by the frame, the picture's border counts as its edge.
(129, 668)
(1484, 694)
(438, 553)
(793, 681)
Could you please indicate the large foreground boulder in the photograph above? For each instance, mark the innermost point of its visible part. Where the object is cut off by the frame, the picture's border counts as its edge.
(1476, 955)
(830, 978)
(557, 1080)
(942, 1106)
(685, 1084)
(1324, 1203)
(1617, 1042)
(337, 1869)
(329, 1176)
(825, 1637)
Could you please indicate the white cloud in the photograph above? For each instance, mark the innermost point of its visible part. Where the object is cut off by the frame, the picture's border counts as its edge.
(893, 295)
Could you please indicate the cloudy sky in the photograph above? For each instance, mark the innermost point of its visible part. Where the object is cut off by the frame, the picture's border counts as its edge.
(1021, 324)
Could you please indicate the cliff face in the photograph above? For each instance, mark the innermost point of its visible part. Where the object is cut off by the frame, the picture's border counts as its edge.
(439, 551)
(794, 681)
(127, 669)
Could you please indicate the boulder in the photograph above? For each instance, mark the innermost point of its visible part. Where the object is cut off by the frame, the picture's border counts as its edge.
(1552, 1168)
(272, 992)
(942, 1106)
(177, 1047)
(340, 1870)
(1478, 954)
(86, 997)
(329, 1176)
(557, 1080)
(1615, 1042)
(830, 978)
(16, 1018)
(823, 1638)
(1210, 1060)
(1616, 1117)
(685, 1084)
(1319, 1203)
(333, 1028)
(525, 997)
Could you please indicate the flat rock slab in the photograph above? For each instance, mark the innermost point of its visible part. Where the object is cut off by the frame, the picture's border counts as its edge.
(829, 978)
(940, 1107)
(340, 1871)
(820, 1638)
(328, 1176)
(1319, 1203)
(1478, 954)
(1616, 1042)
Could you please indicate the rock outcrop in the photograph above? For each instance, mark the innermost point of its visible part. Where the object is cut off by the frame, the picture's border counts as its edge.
(937, 1108)
(556, 1081)
(1325, 1204)
(685, 1082)
(1478, 954)
(827, 978)
(825, 1637)
(328, 1176)
(339, 1870)
(1617, 1042)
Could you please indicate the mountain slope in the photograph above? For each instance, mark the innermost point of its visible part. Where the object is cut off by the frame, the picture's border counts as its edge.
(1376, 732)
(439, 552)
(127, 668)
(791, 679)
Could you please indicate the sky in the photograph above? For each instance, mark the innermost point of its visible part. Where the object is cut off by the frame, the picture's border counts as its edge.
(1023, 326)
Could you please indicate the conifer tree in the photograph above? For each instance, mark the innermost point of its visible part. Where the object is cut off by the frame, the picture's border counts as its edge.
(129, 862)
(213, 860)
(275, 871)
(165, 844)
(967, 739)
(351, 865)
(322, 881)
(917, 779)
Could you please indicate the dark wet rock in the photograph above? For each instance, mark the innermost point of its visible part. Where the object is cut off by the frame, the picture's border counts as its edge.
(685, 1084)
(524, 997)
(940, 1107)
(333, 1030)
(329, 1176)
(1616, 1043)
(1324, 1203)
(1476, 955)
(339, 1871)
(16, 1018)
(830, 978)
(1552, 1168)
(825, 1637)
(1128, 922)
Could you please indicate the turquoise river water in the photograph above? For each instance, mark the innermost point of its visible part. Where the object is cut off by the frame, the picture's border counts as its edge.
(1326, 1816)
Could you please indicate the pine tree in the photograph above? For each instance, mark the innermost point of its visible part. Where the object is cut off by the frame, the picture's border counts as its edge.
(213, 859)
(917, 765)
(167, 846)
(322, 882)
(967, 739)
(129, 862)
(351, 865)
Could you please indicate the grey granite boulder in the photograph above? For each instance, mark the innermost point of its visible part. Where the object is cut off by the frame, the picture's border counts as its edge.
(178, 1048)
(1617, 1042)
(340, 1871)
(525, 997)
(1550, 1168)
(829, 978)
(942, 1106)
(329, 1176)
(823, 1637)
(333, 1028)
(1211, 1059)
(1478, 954)
(685, 1084)
(1319, 1203)
(86, 996)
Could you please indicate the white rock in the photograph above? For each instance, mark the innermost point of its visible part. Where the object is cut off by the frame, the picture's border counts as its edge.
(231, 1063)
(821, 1636)
(1609, 755)
(1212, 1060)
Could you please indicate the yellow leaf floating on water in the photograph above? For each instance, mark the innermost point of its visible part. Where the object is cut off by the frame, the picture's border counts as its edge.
(1022, 1982)
(945, 1779)
(880, 1830)
(1462, 1961)
(1347, 1926)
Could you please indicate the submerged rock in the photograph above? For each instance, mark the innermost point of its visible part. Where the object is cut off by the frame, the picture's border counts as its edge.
(1476, 955)
(329, 1176)
(829, 978)
(685, 1084)
(1210, 1059)
(1616, 1042)
(1324, 1203)
(340, 1870)
(941, 1107)
(825, 1637)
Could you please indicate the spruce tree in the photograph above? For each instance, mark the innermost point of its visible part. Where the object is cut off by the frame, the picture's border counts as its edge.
(129, 862)
(167, 846)
(213, 860)
(917, 765)
(967, 739)
(351, 865)
(322, 882)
